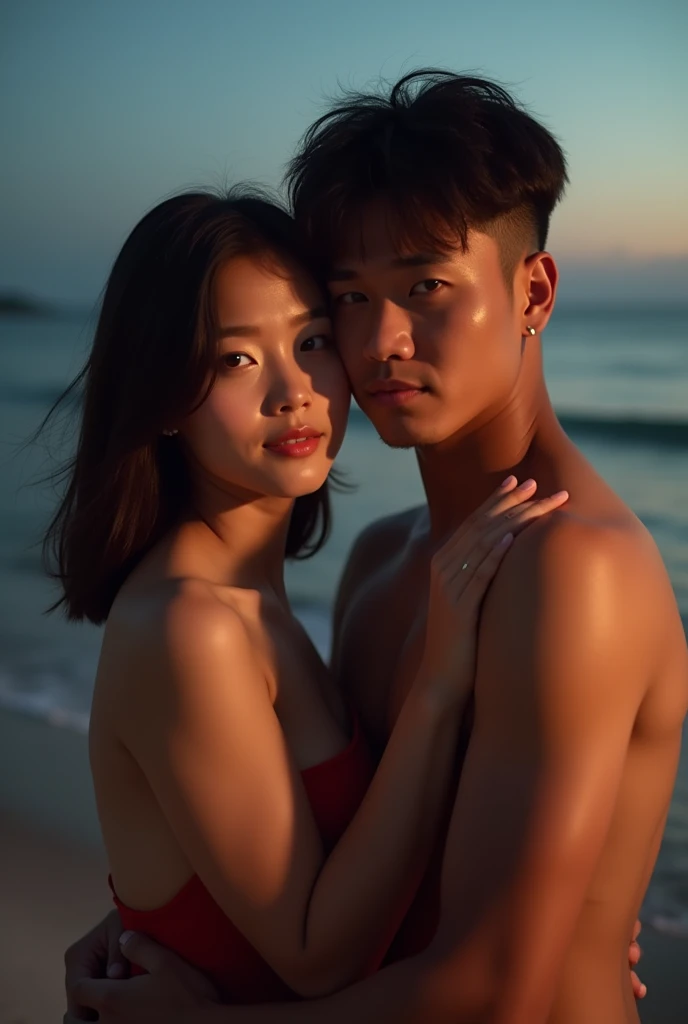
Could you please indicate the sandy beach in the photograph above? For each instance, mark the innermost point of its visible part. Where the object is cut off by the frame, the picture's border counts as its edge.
(53, 879)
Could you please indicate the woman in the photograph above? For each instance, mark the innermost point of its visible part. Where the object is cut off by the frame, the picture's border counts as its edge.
(245, 825)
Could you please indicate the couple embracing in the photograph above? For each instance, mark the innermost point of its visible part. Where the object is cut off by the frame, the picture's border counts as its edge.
(457, 821)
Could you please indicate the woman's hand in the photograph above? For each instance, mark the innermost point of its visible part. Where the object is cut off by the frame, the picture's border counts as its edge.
(96, 955)
(171, 991)
(460, 573)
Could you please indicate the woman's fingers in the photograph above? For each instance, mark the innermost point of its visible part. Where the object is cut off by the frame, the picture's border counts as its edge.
(639, 987)
(475, 548)
(500, 508)
(506, 497)
(478, 581)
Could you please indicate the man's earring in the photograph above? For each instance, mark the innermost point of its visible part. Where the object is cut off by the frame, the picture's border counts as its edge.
(170, 433)
(531, 330)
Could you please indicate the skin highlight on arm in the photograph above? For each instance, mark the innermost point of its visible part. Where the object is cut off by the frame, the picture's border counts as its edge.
(320, 922)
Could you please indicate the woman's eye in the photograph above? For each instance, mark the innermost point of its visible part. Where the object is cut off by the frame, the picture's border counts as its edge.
(348, 298)
(315, 343)
(233, 360)
(427, 286)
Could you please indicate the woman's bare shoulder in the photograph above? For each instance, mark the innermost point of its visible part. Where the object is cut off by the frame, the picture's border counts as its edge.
(171, 632)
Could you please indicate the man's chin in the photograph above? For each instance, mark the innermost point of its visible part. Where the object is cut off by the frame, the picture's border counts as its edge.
(402, 439)
(397, 431)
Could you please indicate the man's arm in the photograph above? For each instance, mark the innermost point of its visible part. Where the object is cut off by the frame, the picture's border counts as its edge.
(561, 677)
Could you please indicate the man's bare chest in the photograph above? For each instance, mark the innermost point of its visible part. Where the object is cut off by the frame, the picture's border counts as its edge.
(382, 641)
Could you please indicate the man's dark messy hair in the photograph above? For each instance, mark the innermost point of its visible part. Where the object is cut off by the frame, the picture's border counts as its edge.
(444, 152)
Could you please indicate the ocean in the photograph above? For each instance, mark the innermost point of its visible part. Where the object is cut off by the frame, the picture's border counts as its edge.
(618, 378)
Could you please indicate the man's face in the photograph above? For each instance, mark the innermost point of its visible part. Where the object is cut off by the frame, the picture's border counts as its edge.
(431, 344)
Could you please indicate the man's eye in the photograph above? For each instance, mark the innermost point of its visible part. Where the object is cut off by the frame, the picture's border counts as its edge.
(348, 298)
(315, 343)
(427, 286)
(233, 360)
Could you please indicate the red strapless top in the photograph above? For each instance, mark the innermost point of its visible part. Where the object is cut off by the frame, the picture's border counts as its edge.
(194, 926)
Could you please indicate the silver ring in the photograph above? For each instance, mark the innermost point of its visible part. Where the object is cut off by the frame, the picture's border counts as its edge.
(464, 566)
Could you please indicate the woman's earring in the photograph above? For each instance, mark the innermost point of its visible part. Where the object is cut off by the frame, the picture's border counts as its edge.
(170, 433)
(531, 330)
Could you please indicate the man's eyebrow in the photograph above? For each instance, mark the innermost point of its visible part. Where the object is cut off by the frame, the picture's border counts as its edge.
(421, 259)
(246, 331)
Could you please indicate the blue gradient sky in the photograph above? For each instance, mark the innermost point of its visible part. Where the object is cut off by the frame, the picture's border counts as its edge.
(107, 106)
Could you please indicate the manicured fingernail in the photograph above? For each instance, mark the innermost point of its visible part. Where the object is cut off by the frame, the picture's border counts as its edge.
(526, 484)
(561, 494)
(124, 938)
(506, 540)
(509, 480)
(115, 971)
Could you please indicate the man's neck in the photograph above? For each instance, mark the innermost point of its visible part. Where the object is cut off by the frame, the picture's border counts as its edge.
(459, 474)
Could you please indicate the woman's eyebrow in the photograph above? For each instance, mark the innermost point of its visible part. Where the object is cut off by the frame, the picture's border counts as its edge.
(317, 313)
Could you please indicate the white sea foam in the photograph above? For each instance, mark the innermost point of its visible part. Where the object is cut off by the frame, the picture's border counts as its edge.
(60, 693)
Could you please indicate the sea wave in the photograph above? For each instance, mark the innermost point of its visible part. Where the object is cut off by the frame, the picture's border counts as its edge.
(628, 429)
(45, 704)
(57, 688)
(620, 427)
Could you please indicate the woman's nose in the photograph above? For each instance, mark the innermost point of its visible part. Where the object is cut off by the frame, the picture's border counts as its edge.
(291, 393)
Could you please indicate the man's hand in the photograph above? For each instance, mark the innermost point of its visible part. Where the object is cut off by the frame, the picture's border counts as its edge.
(172, 991)
(634, 954)
(96, 955)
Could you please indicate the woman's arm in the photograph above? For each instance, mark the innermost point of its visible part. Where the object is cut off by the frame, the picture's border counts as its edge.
(212, 749)
(211, 746)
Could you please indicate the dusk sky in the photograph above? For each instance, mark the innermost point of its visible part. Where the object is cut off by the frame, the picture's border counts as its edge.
(108, 106)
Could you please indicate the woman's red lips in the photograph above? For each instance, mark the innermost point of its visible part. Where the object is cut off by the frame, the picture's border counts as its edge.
(297, 443)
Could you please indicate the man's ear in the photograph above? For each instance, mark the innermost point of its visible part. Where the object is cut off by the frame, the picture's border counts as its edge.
(541, 279)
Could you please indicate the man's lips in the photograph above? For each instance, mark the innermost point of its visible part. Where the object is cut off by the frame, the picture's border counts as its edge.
(296, 443)
(394, 392)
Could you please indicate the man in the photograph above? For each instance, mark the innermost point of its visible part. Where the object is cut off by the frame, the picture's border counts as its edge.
(430, 207)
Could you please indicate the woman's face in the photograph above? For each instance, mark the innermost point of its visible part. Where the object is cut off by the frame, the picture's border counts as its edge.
(275, 418)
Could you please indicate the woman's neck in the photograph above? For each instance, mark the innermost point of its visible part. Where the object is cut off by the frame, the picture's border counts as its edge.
(237, 538)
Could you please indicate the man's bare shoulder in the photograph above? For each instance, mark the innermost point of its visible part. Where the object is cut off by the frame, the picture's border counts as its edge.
(376, 547)
(582, 589)
(570, 547)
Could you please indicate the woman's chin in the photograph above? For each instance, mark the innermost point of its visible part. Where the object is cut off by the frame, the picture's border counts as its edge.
(298, 485)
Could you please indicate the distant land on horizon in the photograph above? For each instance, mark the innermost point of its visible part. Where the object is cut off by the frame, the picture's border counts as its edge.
(15, 303)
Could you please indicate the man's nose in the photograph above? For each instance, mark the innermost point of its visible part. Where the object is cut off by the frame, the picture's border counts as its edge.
(390, 335)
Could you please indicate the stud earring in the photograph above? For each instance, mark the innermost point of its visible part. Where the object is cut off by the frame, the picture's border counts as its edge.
(531, 330)
(170, 433)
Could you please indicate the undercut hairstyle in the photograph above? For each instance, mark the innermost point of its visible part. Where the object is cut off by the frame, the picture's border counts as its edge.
(444, 153)
(154, 352)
